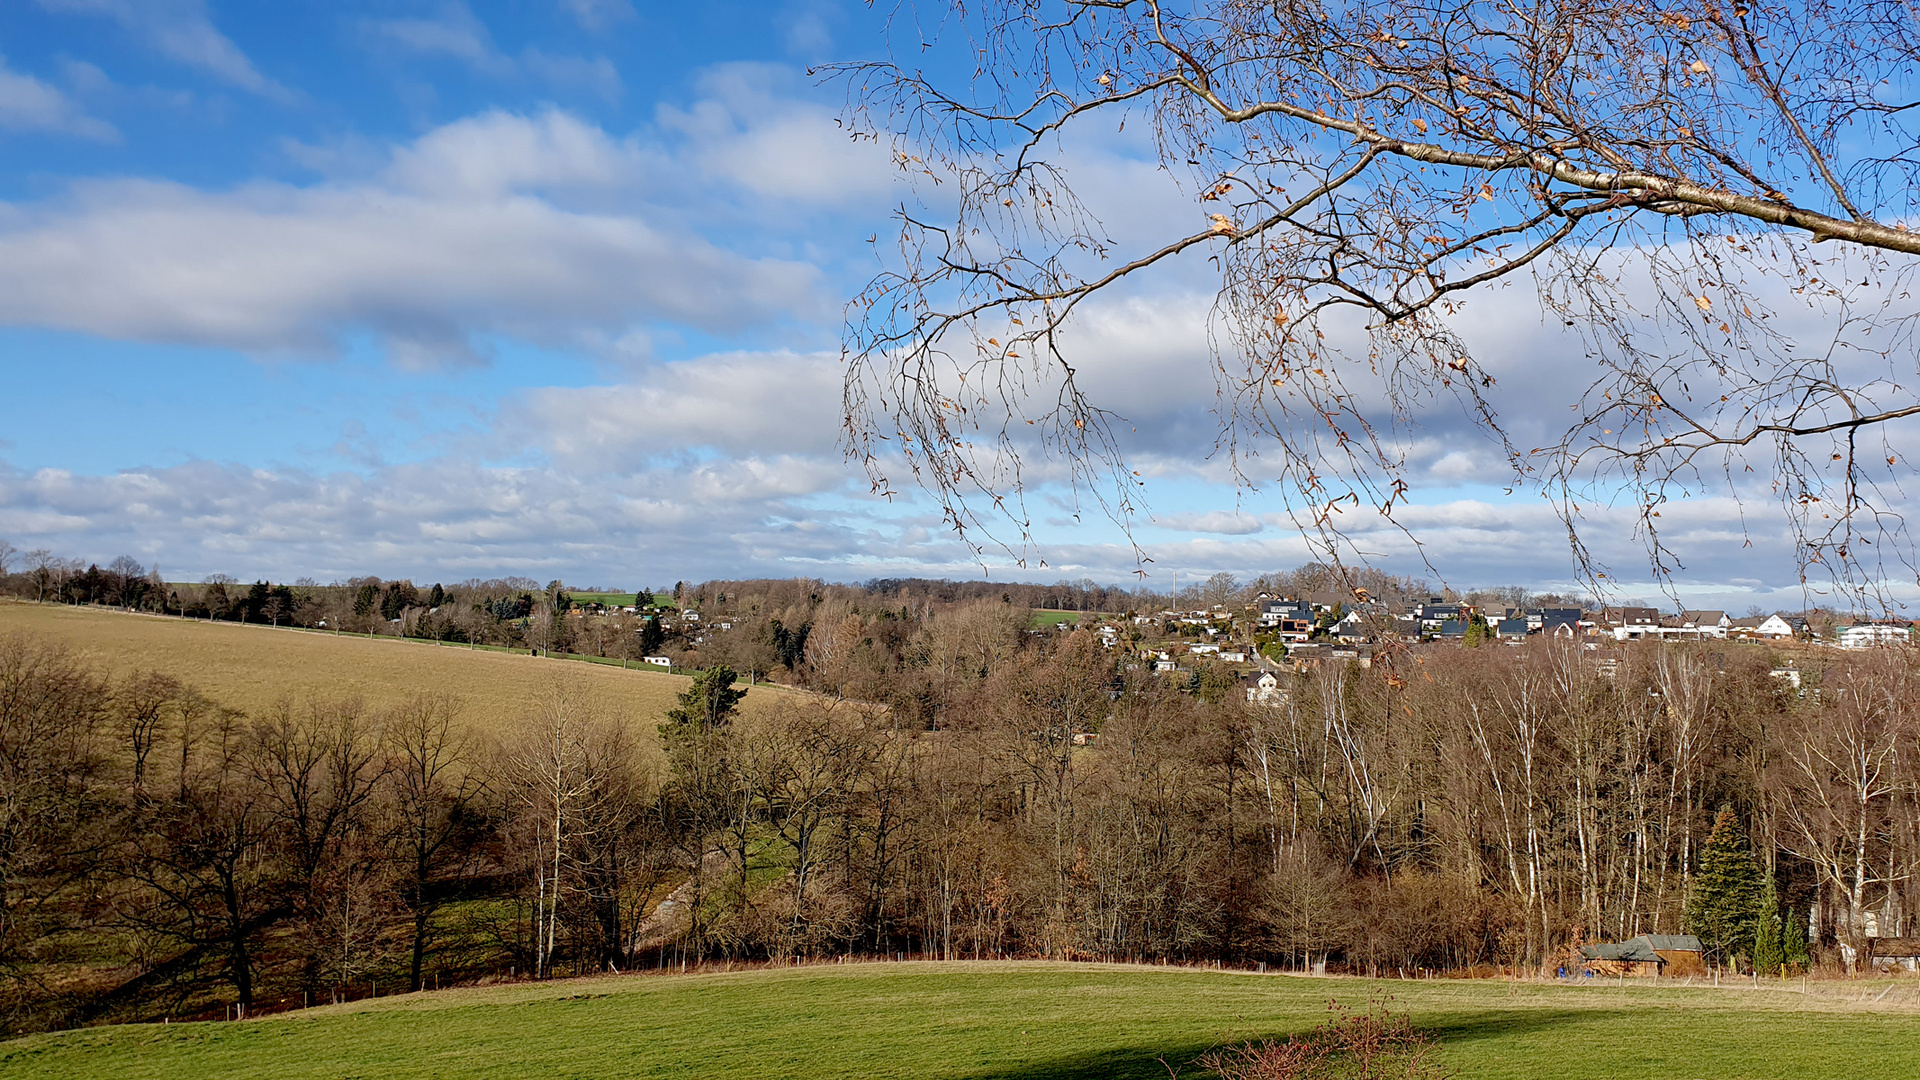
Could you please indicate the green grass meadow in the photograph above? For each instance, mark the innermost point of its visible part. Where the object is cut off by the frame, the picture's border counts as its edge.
(1050, 617)
(986, 1020)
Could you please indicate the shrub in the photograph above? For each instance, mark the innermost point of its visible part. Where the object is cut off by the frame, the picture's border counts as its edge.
(1377, 1044)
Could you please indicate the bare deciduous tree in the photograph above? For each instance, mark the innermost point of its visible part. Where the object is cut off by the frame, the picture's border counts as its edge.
(1710, 200)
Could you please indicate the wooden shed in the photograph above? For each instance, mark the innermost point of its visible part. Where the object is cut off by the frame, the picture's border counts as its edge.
(1647, 956)
(1891, 950)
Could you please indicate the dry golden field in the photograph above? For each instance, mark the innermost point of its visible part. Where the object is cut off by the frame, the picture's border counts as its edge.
(250, 668)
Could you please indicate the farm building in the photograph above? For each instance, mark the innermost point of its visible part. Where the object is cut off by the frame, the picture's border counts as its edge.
(1647, 956)
(1885, 952)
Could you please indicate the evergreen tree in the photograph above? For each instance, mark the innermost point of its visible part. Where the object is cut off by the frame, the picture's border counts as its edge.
(706, 707)
(1726, 891)
(1767, 943)
(1793, 941)
(651, 636)
(698, 738)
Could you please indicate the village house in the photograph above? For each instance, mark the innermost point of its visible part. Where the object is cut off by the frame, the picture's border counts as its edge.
(1713, 624)
(1263, 688)
(1869, 635)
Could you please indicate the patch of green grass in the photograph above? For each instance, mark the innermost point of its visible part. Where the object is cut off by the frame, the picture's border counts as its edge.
(610, 599)
(991, 1020)
(1046, 617)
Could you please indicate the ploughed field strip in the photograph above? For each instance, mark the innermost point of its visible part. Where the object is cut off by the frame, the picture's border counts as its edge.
(990, 1020)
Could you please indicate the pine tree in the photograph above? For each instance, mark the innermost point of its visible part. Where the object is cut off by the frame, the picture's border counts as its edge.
(1793, 941)
(1767, 936)
(1726, 891)
(707, 705)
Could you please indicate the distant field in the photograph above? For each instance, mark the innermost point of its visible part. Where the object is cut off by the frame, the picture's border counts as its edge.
(992, 1020)
(610, 599)
(1048, 617)
(251, 667)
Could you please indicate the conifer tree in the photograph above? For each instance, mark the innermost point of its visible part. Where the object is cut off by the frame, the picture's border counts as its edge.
(695, 731)
(1767, 937)
(651, 636)
(1793, 941)
(1726, 891)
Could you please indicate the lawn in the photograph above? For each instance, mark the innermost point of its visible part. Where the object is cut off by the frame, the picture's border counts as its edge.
(1049, 617)
(250, 667)
(992, 1020)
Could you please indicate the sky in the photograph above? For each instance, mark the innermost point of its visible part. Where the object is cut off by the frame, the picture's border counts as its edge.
(555, 288)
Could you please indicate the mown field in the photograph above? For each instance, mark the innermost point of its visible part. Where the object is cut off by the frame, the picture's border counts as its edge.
(251, 668)
(616, 599)
(992, 1020)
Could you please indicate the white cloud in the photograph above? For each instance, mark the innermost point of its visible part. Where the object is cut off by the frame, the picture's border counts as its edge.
(1224, 522)
(444, 519)
(456, 34)
(496, 154)
(28, 104)
(739, 403)
(804, 25)
(182, 31)
(460, 235)
(751, 128)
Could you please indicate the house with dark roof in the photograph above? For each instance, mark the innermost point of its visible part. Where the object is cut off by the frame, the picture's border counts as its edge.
(1263, 688)
(1548, 620)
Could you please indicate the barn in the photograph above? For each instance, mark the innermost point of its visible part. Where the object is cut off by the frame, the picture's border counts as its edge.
(1884, 952)
(1647, 956)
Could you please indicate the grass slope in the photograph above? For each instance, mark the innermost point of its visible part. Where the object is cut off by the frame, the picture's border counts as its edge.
(251, 667)
(991, 1020)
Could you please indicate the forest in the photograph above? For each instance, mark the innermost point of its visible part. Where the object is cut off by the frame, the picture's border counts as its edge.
(1023, 794)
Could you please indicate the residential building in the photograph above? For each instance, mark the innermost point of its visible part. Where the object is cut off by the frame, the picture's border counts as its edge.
(1869, 635)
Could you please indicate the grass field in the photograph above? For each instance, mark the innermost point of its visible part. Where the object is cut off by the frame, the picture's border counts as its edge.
(619, 599)
(251, 667)
(1048, 617)
(991, 1020)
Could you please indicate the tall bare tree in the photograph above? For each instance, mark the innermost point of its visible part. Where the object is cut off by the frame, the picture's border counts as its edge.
(1709, 199)
(436, 782)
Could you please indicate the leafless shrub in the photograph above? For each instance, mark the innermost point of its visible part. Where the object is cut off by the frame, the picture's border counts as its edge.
(1377, 1044)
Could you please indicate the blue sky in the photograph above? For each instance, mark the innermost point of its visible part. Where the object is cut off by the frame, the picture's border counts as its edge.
(549, 287)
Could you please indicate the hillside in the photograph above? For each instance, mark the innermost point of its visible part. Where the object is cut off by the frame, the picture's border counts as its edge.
(985, 1020)
(250, 667)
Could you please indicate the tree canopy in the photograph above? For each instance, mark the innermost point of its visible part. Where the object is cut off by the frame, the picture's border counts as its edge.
(1708, 200)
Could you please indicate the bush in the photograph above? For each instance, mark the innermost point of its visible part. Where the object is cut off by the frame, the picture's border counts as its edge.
(1378, 1044)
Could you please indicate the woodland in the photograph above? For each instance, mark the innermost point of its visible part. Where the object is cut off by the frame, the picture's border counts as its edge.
(1015, 794)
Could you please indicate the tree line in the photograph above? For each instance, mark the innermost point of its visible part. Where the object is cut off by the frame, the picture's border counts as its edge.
(161, 854)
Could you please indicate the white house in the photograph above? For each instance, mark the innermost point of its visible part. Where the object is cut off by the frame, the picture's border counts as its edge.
(1712, 624)
(1868, 635)
(1264, 689)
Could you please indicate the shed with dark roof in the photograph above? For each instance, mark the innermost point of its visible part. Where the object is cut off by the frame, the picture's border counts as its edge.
(1646, 956)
